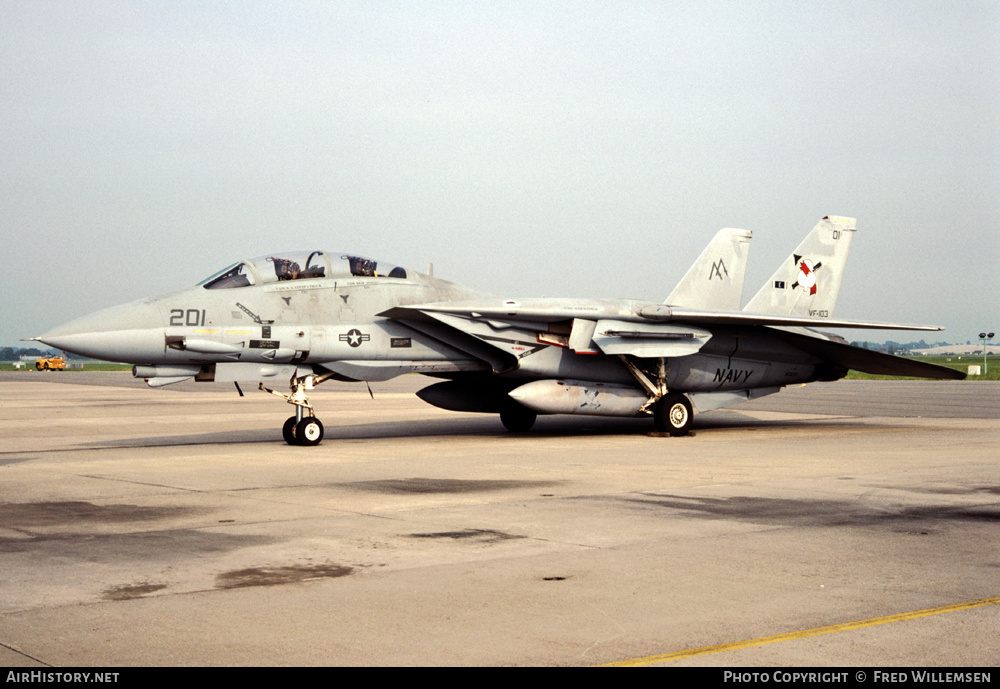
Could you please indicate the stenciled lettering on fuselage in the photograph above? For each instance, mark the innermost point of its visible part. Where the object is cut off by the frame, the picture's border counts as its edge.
(732, 375)
(519, 348)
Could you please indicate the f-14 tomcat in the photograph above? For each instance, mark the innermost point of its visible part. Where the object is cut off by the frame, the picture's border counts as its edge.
(306, 317)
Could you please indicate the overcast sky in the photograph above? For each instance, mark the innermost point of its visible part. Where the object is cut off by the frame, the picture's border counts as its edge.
(532, 148)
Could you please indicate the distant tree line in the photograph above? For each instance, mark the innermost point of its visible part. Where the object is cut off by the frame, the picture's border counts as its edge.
(892, 347)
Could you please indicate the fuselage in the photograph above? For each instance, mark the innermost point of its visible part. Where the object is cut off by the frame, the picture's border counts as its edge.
(270, 311)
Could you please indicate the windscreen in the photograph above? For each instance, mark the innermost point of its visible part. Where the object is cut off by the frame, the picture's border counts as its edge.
(237, 275)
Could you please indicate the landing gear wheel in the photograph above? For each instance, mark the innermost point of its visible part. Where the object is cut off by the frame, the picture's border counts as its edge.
(517, 418)
(308, 431)
(288, 431)
(673, 415)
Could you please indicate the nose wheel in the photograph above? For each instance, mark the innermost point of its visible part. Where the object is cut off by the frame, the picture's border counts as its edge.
(288, 430)
(306, 431)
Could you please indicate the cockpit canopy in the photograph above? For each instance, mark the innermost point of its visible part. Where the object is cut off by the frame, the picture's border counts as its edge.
(299, 265)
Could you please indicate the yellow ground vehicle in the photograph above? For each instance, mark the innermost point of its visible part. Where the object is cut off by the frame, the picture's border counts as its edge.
(54, 364)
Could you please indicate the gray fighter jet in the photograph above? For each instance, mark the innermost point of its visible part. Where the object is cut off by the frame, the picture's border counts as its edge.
(301, 318)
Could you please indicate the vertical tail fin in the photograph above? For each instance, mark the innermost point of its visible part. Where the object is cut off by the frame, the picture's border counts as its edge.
(808, 282)
(715, 281)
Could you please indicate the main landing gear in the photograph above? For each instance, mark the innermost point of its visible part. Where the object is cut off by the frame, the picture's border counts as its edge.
(672, 412)
(303, 428)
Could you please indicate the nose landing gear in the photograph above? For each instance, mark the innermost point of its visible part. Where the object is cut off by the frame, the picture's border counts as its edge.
(303, 428)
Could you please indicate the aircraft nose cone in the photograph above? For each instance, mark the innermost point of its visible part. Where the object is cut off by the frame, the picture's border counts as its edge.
(130, 333)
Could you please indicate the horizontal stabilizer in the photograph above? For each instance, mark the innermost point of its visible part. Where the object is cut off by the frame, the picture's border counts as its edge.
(867, 361)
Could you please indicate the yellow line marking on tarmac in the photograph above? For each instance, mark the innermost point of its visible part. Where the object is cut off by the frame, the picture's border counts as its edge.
(831, 629)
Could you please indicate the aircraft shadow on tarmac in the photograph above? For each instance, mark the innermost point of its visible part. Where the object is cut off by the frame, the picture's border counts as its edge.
(488, 426)
(918, 519)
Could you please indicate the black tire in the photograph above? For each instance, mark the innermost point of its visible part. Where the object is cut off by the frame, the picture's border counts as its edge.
(517, 418)
(673, 415)
(309, 431)
(288, 431)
